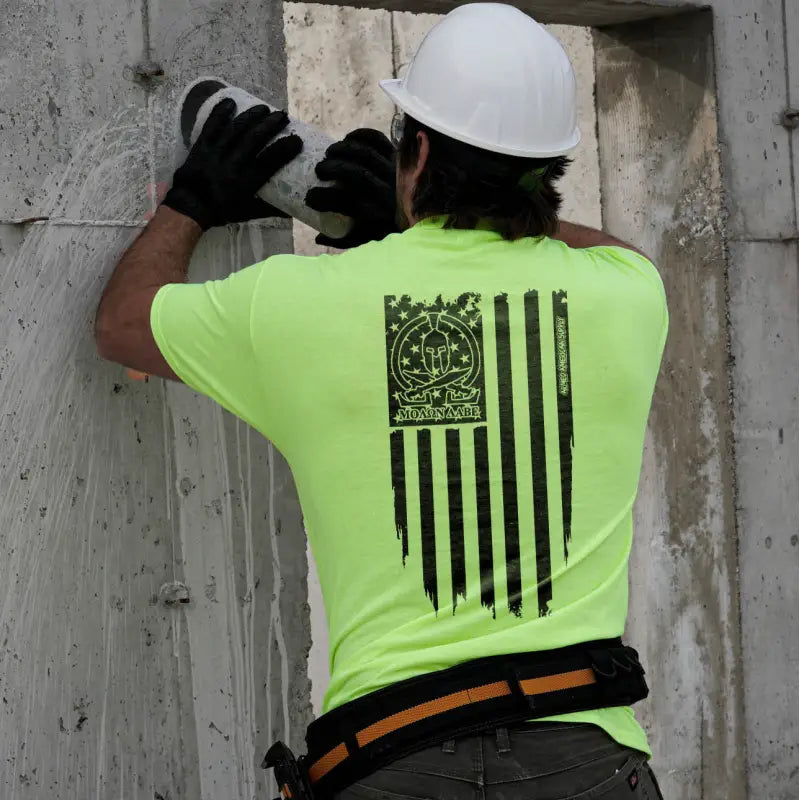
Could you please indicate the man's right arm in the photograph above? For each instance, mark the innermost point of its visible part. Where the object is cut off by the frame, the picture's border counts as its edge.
(581, 236)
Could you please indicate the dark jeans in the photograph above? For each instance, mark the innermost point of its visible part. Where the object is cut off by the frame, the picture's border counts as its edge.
(535, 761)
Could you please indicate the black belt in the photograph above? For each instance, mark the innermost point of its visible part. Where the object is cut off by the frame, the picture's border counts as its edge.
(356, 739)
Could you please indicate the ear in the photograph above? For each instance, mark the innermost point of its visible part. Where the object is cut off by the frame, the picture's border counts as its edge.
(423, 142)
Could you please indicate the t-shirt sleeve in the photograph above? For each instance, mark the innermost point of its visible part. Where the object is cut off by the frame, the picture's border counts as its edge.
(631, 259)
(204, 332)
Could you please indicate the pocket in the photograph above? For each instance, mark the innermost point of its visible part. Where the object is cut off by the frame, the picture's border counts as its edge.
(559, 749)
(361, 791)
(400, 785)
(630, 782)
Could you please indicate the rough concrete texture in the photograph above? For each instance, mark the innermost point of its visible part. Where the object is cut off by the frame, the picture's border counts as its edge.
(757, 50)
(572, 12)
(336, 56)
(766, 368)
(113, 489)
(754, 90)
(662, 190)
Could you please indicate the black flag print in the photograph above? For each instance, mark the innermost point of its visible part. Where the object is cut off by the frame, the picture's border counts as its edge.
(560, 316)
(437, 378)
(434, 354)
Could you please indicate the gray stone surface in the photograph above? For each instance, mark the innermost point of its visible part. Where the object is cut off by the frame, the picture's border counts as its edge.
(336, 57)
(792, 94)
(757, 46)
(57, 77)
(116, 488)
(572, 12)
(662, 190)
(751, 46)
(765, 323)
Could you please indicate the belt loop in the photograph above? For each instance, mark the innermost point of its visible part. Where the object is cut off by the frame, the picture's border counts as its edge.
(514, 682)
(503, 741)
(448, 746)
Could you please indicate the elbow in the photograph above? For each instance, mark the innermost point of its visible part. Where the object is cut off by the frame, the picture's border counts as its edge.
(103, 343)
(104, 333)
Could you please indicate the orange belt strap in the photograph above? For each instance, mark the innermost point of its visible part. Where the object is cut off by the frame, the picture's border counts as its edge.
(489, 691)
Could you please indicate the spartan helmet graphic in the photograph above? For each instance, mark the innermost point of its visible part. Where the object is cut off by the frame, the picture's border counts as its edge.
(435, 348)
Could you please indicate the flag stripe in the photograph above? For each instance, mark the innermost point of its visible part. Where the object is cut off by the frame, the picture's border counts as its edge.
(427, 515)
(538, 451)
(455, 490)
(507, 439)
(484, 536)
(560, 311)
(398, 485)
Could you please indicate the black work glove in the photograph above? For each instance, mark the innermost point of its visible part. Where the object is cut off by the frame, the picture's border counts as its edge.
(230, 161)
(362, 169)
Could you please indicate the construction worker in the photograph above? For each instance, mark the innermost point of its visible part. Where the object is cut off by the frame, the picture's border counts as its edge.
(462, 397)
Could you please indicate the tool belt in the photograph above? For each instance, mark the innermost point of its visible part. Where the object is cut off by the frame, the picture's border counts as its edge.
(362, 736)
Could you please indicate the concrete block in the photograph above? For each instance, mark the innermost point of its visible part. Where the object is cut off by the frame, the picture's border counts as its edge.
(580, 185)
(58, 76)
(765, 330)
(570, 12)
(118, 491)
(89, 652)
(661, 187)
(792, 71)
(336, 56)
(238, 520)
(751, 43)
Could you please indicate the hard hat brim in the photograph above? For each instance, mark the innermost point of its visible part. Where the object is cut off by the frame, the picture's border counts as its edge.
(401, 98)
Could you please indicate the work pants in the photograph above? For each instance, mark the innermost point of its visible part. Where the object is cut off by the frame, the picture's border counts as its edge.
(532, 761)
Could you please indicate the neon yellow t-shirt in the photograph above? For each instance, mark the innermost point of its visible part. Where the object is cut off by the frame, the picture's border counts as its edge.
(464, 418)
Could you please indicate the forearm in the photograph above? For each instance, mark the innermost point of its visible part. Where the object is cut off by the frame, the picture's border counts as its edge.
(159, 256)
(581, 236)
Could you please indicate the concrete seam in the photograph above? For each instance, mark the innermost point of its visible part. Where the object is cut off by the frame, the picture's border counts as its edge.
(151, 148)
(393, 45)
(791, 152)
(596, 131)
(766, 240)
(732, 433)
(278, 222)
(145, 22)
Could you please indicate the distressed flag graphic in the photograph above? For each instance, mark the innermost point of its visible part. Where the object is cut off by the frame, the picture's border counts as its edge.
(476, 387)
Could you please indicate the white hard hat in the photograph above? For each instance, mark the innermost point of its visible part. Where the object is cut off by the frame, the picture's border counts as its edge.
(491, 76)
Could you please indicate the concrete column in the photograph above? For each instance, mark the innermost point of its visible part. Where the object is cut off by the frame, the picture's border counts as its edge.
(116, 490)
(661, 188)
(757, 47)
(572, 12)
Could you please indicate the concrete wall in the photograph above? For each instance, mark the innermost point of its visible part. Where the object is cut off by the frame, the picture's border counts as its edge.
(662, 189)
(113, 489)
(757, 52)
(572, 12)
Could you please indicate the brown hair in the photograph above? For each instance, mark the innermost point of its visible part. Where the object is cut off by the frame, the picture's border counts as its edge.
(515, 196)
